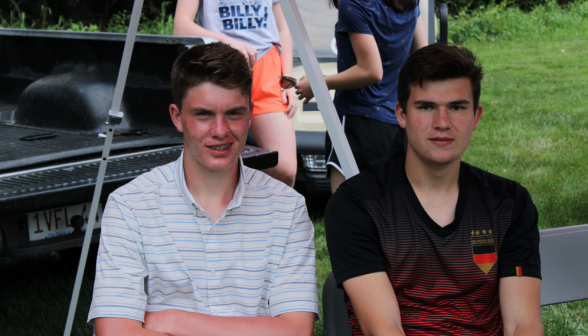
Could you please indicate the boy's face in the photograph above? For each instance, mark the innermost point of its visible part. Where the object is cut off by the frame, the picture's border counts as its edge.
(439, 119)
(215, 122)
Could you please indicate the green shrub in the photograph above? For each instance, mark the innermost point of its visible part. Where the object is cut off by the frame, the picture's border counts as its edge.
(506, 22)
(162, 24)
(455, 6)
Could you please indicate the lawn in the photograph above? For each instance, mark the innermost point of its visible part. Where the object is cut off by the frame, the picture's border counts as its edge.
(534, 130)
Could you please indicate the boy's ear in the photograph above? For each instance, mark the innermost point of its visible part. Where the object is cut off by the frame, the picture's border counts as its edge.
(400, 115)
(176, 117)
(478, 114)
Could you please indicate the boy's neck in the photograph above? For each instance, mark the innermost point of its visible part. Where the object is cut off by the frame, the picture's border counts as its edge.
(431, 176)
(212, 190)
(435, 185)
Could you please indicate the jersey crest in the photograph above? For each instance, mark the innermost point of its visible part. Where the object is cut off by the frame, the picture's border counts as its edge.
(483, 249)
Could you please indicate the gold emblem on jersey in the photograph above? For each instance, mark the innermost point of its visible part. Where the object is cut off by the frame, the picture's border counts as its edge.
(483, 249)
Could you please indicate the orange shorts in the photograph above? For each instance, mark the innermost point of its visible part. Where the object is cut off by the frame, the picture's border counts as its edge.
(267, 92)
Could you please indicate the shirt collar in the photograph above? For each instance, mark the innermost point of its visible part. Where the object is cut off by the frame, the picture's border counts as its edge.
(187, 196)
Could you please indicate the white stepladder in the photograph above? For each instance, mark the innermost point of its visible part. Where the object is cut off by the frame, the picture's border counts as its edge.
(114, 118)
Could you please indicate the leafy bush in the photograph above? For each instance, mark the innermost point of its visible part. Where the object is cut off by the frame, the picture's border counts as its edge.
(506, 22)
(456, 6)
(163, 24)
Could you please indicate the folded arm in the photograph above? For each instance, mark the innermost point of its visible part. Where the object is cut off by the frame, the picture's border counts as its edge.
(374, 304)
(177, 323)
(106, 326)
(520, 304)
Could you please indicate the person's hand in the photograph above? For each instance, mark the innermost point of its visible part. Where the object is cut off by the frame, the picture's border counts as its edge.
(289, 96)
(246, 49)
(303, 90)
(160, 321)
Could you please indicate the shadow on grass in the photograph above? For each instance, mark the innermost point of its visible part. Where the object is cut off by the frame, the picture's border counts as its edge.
(35, 293)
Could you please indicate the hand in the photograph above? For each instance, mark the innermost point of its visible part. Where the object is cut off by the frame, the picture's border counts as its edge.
(303, 89)
(160, 321)
(290, 96)
(247, 50)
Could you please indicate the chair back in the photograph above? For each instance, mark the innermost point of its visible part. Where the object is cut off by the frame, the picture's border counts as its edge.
(335, 315)
(564, 264)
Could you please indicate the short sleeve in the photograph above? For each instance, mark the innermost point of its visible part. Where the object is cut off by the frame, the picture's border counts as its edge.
(354, 17)
(120, 267)
(352, 237)
(294, 285)
(519, 255)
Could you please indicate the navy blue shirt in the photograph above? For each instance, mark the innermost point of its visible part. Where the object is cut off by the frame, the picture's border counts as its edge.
(393, 32)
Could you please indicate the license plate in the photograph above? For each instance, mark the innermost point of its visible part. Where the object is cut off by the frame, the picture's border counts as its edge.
(57, 222)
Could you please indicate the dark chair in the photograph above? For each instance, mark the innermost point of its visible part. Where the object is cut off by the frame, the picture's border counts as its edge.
(564, 268)
(335, 316)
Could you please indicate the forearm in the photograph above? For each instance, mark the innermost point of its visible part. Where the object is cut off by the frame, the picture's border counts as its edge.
(179, 323)
(286, 53)
(106, 326)
(352, 78)
(525, 329)
(186, 27)
(389, 329)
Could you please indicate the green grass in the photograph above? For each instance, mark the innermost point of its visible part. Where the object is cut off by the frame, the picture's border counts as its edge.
(534, 129)
(35, 293)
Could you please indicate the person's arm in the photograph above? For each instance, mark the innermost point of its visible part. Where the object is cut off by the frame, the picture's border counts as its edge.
(119, 293)
(374, 303)
(184, 25)
(106, 326)
(419, 38)
(520, 270)
(367, 71)
(288, 95)
(178, 323)
(357, 259)
(520, 304)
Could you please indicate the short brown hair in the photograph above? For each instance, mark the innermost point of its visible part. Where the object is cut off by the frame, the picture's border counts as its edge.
(438, 62)
(216, 63)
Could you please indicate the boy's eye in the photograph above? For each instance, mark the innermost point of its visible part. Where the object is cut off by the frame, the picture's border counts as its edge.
(235, 113)
(457, 108)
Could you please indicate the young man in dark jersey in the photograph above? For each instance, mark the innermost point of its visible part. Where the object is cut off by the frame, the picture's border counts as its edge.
(428, 244)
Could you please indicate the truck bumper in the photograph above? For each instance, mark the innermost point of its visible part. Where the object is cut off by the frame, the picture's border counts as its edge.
(15, 242)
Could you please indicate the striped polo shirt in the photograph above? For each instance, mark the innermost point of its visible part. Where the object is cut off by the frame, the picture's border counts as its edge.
(159, 250)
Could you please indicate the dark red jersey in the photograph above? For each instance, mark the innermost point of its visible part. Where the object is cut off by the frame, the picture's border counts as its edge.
(445, 278)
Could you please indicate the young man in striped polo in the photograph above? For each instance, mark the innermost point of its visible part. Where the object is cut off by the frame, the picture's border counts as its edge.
(428, 244)
(205, 245)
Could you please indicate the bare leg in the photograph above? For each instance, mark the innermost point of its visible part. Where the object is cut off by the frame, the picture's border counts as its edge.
(275, 132)
(336, 178)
